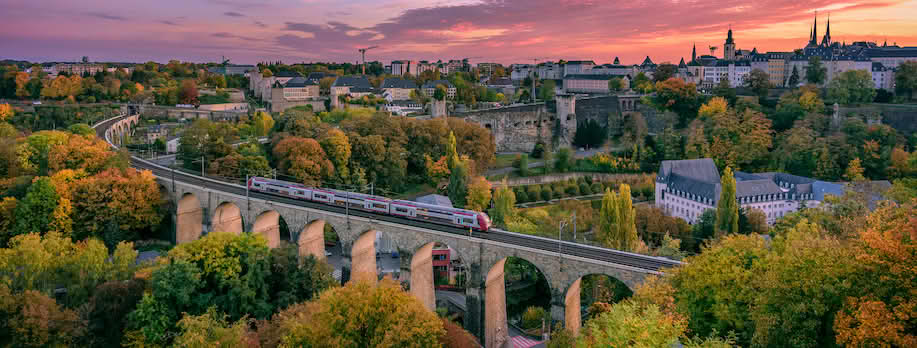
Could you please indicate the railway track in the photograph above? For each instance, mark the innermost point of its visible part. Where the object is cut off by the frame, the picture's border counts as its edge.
(644, 262)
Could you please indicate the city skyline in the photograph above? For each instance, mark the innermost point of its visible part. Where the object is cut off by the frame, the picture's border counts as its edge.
(511, 31)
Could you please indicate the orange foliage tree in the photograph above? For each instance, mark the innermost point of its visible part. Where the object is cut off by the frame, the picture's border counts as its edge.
(125, 202)
(304, 159)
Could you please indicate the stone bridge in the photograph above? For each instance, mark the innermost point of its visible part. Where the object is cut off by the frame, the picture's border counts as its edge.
(202, 205)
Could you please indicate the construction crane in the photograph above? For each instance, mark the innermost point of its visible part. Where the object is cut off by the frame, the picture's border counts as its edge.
(713, 51)
(363, 54)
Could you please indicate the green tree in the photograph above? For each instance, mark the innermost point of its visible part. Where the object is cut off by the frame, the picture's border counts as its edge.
(664, 72)
(452, 157)
(504, 205)
(758, 82)
(816, 72)
(906, 79)
(263, 123)
(794, 78)
(852, 87)
(724, 90)
(628, 324)
(617, 220)
(523, 165)
(727, 208)
(563, 160)
(174, 288)
(36, 212)
(479, 194)
(294, 278)
(458, 184)
(547, 157)
(211, 329)
(546, 90)
(615, 84)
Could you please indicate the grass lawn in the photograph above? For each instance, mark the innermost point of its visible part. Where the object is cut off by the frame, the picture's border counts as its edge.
(505, 160)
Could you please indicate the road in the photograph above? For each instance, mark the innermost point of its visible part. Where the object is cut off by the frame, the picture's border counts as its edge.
(519, 340)
(496, 235)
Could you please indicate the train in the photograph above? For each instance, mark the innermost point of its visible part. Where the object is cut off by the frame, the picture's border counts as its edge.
(438, 214)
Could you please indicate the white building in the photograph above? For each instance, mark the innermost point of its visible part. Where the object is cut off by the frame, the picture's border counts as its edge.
(403, 107)
(550, 71)
(520, 71)
(402, 67)
(733, 71)
(430, 87)
(687, 188)
(577, 67)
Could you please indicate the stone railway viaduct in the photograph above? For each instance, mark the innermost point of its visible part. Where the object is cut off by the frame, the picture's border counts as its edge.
(203, 206)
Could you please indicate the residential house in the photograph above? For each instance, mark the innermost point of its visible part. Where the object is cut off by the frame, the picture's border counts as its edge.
(430, 87)
(398, 88)
(297, 91)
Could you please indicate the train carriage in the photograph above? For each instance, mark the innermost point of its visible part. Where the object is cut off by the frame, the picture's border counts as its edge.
(375, 204)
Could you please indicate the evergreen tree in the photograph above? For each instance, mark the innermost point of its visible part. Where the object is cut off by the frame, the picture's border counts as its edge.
(727, 209)
(627, 228)
(816, 73)
(609, 218)
(524, 165)
(458, 184)
(794, 78)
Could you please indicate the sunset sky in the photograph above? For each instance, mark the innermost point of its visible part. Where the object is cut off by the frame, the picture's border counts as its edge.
(504, 31)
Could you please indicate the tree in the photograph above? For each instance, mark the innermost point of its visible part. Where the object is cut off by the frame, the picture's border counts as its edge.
(116, 205)
(81, 152)
(906, 78)
(188, 93)
(108, 308)
(852, 87)
(458, 184)
(615, 84)
(263, 123)
(212, 329)
(816, 72)
(794, 78)
(36, 212)
(6, 112)
(723, 89)
(727, 208)
(628, 324)
(337, 147)
(882, 310)
(677, 96)
(32, 319)
(716, 106)
(664, 72)
(504, 204)
(363, 315)
(757, 221)
(563, 160)
(546, 90)
(617, 220)
(295, 278)
(478, 198)
(758, 82)
(451, 152)
(440, 93)
(523, 165)
(854, 171)
(303, 159)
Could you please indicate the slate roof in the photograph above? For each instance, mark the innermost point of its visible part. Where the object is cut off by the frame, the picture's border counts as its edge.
(706, 189)
(592, 76)
(699, 169)
(903, 52)
(397, 82)
(287, 74)
(433, 84)
(435, 200)
(299, 81)
(503, 81)
(748, 188)
(579, 62)
(352, 81)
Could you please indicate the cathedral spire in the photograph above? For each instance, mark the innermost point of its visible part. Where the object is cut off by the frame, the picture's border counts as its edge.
(694, 52)
(814, 39)
(826, 40)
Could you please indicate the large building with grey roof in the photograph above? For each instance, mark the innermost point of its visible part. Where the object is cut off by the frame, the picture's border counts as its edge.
(687, 188)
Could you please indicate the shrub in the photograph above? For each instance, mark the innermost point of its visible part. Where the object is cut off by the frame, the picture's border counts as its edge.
(532, 317)
(522, 197)
(547, 194)
(585, 189)
(597, 187)
(573, 190)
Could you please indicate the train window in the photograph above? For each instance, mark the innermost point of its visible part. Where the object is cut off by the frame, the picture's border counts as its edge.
(401, 210)
(300, 193)
(378, 206)
(320, 196)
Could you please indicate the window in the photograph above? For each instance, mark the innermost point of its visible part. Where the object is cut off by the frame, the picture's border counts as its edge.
(379, 206)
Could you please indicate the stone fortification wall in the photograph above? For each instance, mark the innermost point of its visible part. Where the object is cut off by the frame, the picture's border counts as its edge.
(515, 128)
(597, 109)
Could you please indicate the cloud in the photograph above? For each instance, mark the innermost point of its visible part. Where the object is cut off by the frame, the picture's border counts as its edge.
(225, 35)
(259, 24)
(106, 16)
(233, 14)
(167, 22)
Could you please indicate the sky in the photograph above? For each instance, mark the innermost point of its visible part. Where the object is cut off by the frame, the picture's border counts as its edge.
(502, 31)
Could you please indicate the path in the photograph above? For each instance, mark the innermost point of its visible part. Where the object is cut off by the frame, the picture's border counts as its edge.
(537, 164)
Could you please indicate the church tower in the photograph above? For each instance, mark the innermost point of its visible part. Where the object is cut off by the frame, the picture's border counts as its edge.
(729, 48)
(694, 52)
(826, 40)
(813, 34)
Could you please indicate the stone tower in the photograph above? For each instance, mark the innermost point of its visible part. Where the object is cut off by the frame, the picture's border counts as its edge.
(729, 48)
(566, 119)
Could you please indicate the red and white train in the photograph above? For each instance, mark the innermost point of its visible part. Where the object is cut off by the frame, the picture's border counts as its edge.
(374, 204)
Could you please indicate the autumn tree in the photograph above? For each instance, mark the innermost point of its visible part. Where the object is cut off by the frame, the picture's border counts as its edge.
(364, 315)
(38, 211)
(80, 152)
(854, 171)
(263, 123)
(882, 311)
(116, 205)
(303, 159)
(212, 329)
(458, 184)
(6, 112)
(337, 147)
(188, 93)
(479, 194)
(634, 325)
(664, 72)
(617, 219)
(32, 319)
(727, 208)
(794, 78)
(675, 95)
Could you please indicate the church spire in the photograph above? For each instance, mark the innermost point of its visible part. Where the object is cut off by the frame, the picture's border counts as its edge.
(826, 40)
(814, 39)
(694, 52)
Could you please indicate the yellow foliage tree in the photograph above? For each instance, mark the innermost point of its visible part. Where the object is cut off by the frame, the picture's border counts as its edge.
(478, 194)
